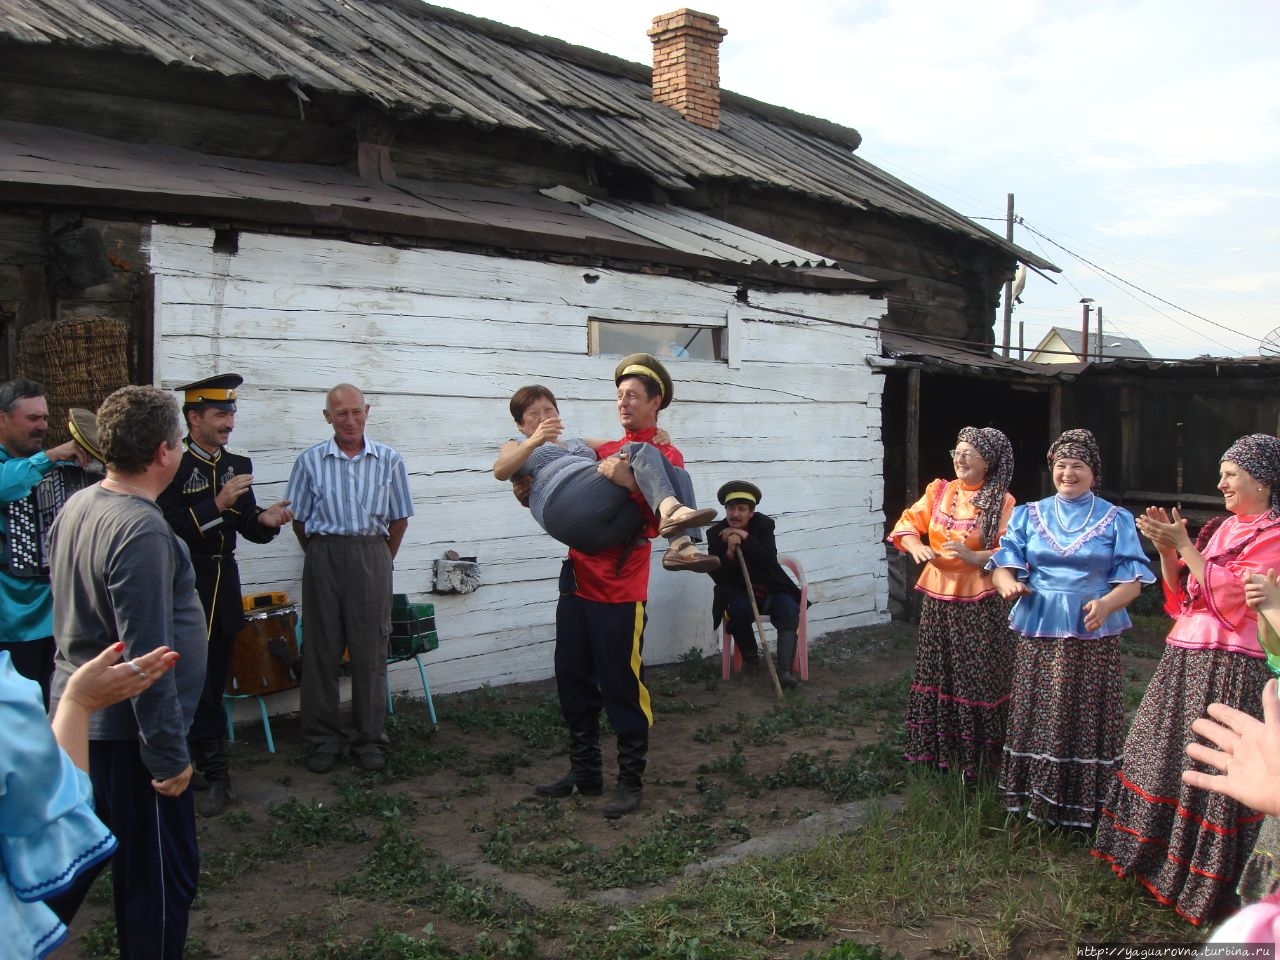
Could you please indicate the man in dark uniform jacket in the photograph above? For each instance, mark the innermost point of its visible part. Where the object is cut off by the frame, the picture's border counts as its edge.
(210, 501)
(777, 595)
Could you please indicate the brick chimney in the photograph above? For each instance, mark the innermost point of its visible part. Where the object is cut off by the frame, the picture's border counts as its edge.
(686, 65)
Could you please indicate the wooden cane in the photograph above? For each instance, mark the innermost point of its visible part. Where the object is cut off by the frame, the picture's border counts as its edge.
(755, 612)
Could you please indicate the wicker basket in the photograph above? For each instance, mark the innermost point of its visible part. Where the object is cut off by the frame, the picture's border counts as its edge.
(79, 362)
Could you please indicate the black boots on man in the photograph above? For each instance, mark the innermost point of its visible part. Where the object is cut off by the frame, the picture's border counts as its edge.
(209, 758)
(786, 657)
(584, 774)
(633, 748)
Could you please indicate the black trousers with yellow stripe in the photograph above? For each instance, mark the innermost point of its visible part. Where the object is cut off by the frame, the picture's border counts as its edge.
(599, 664)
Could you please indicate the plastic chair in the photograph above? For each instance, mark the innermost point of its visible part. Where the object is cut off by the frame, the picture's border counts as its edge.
(731, 660)
(422, 673)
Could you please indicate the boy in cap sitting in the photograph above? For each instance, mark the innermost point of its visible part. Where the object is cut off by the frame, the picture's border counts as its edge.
(776, 594)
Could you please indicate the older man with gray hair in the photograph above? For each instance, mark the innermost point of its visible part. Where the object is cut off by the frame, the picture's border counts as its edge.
(351, 506)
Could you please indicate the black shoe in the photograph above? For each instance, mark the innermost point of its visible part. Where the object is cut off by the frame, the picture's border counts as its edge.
(788, 680)
(373, 761)
(567, 785)
(626, 799)
(322, 761)
(214, 800)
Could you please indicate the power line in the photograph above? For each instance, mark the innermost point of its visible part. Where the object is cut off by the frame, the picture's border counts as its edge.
(1127, 283)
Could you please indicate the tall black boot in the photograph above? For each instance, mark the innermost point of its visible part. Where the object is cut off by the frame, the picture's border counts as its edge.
(216, 767)
(633, 748)
(786, 657)
(584, 774)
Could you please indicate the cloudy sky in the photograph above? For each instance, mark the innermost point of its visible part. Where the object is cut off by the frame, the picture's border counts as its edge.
(1142, 136)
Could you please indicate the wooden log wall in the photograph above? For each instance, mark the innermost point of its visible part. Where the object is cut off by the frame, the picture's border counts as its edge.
(941, 285)
(439, 340)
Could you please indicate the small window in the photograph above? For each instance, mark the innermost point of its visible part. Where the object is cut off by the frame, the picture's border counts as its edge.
(666, 341)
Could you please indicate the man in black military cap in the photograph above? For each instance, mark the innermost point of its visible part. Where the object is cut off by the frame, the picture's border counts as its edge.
(210, 501)
(777, 596)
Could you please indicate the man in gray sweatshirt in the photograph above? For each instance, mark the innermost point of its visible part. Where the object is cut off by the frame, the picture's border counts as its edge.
(120, 574)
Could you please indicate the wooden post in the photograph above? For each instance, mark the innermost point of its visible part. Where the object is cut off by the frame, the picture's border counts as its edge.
(1130, 424)
(1084, 334)
(1008, 284)
(1055, 425)
(912, 439)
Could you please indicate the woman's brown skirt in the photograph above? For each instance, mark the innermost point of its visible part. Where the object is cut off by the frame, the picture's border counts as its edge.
(1065, 724)
(1187, 846)
(959, 699)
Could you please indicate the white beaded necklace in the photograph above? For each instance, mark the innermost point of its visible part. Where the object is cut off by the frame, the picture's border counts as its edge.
(1093, 502)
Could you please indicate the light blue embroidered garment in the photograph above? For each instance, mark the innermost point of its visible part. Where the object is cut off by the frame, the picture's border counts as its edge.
(48, 831)
(1070, 552)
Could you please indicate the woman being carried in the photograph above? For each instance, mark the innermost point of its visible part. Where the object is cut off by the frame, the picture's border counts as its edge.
(585, 510)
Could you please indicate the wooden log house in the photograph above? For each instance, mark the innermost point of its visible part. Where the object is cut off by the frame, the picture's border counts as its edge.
(441, 209)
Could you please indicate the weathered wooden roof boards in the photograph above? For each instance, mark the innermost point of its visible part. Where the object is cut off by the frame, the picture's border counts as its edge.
(413, 59)
(51, 165)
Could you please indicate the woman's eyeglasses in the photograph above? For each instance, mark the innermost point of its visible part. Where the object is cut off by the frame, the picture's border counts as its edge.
(963, 455)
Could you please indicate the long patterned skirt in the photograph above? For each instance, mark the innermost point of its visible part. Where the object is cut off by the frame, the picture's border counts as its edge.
(1066, 721)
(959, 699)
(1187, 846)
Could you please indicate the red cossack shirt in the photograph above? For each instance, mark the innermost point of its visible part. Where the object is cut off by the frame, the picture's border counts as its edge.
(598, 575)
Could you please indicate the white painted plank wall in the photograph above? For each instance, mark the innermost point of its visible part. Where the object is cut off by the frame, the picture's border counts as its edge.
(439, 340)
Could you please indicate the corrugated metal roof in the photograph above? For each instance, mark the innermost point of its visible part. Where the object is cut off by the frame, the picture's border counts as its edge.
(81, 168)
(422, 60)
(691, 232)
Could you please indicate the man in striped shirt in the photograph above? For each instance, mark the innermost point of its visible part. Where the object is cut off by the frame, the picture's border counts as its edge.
(351, 506)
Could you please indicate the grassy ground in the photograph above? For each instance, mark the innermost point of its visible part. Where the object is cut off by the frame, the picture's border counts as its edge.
(448, 856)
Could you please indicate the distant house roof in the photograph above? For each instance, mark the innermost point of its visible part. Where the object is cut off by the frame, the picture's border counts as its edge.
(1062, 345)
(418, 60)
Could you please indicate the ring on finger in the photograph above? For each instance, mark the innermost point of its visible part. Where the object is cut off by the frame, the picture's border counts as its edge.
(136, 669)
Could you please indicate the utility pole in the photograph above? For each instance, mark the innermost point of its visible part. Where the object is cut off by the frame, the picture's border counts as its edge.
(1099, 325)
(1084, 329)
(1008, 284)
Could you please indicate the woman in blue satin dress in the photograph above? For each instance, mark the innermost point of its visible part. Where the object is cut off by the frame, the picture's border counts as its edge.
(1074, 562)
(49, 835)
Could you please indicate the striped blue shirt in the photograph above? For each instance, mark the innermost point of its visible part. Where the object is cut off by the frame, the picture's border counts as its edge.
(333, 494)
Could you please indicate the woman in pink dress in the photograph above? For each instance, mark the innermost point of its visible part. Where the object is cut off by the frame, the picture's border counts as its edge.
(1188, 846)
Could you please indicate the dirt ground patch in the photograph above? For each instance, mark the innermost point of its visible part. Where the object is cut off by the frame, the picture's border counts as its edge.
(297, 859)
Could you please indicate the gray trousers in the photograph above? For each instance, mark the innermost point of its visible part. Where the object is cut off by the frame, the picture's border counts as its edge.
(591, 513)
(346, 602)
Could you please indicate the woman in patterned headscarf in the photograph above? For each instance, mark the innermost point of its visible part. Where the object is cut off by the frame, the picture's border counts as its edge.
(1074, 562)
(960, 691)
(1186, 845)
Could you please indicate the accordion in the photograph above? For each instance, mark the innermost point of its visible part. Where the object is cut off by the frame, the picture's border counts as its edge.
(31, 517)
